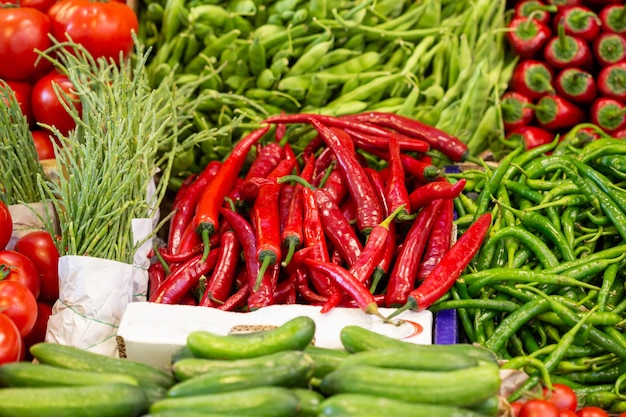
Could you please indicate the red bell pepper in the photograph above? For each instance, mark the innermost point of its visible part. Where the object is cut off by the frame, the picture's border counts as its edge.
(515, 110)
(613, 18)
(576, 85)
(530, 136)
(535, 9)
(609, 114)
(612, 81)
(609, 48)
(532, 78)
(579, 21)
(563, 50)
(527, 36)
(555, 113)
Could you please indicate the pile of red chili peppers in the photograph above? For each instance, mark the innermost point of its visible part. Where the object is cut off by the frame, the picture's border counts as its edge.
(321, 228)
(572, 69)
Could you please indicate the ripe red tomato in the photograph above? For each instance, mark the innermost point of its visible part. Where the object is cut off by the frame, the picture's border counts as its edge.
(22, 95)
(562, 396)
(24, 30)
(6, 225)
(104, 29)
(39, 247)
(15, 266)
(38, 333)
(46, 106)
(591, 411)
(538, 408)
(17, 302)
(10, 340)
(43, 144)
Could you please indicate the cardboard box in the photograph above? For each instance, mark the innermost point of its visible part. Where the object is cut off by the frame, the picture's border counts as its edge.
(150, 333)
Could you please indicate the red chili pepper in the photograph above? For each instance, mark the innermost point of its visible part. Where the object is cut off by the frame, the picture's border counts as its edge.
(395, 192)
(612, 81)
(535, 9)
(183, 279)
(357, 291)
(613, 18)
(335, 186)
(264, 296)
(515, 110)
(206, 219)
(579, 21)
(436, 190)
(184, 207)
(286, 291)
(576, 85)
(236, 300)
(183, 256)
(403, 276)
(532, 79)
(156, 276)
(374, 250)
(314, 237)
(369, 210)
(437, 139)
(221, 280)
(555, 113)
(609, 114)
(449, 268)
(564, 51)
(266, 224)
(247, 239)
(529, 136)
(348, 209)
(313, 146)
(307, 294)
(528, 36)
(564, 4)
(609, 48)
(266, 160)
(369, 142)
(438, 241)
(389, 253)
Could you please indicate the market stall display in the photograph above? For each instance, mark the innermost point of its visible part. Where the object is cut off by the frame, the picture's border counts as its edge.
(380, 161)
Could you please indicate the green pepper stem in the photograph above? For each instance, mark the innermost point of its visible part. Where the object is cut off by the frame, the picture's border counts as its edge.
(267, 261)
(206, 243)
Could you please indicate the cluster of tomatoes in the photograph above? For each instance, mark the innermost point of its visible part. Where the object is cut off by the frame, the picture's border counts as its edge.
(561, 401)
(571, 69)
(103, 29)
(29, 286)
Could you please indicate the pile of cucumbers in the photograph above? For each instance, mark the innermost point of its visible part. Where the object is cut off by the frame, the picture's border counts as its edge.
(270, 373)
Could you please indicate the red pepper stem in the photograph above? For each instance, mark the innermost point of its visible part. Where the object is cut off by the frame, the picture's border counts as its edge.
(292, 243)
(372, 308)
(269, 259)
(206, 241)
(327, 173)
(385, 223)
(411, 304)
(562, 35)
(297, 179)
(159, 256)
(377, 275)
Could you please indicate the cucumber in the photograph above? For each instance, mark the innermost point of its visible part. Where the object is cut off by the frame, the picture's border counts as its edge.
(182, 352)
(310, 402)
(190, 413)
(294, 334)
(341, 405)
(462, 388)
(357, 339)
(191, 367)
(427, 360)
(326, 360)
(109, 400)
(77, 359)
(28, 374)
(262, 401)
(292, 370)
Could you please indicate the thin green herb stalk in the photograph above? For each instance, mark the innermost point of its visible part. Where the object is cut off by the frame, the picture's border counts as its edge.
(19, 163)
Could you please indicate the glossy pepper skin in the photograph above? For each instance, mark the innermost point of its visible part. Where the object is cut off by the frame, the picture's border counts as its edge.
(536, 9)
(532, 78)
(576, 85)
(563, 51)
(530, 136)
(613, 18)
(579, 21)
(527, 36)
(609, 114)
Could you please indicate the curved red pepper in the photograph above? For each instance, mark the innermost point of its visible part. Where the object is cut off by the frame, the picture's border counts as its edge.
(396, 193)
(449, 268)
(438, 241)
(221, 281)
(435, 190)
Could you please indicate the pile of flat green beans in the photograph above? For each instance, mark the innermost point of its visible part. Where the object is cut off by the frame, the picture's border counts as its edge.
(546, 290)
(443, 62)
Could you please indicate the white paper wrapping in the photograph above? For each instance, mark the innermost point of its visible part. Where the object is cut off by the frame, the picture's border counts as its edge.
(28, 218)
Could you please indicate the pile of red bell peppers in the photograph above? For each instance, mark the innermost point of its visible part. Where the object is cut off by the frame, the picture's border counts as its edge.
(321, 228)
(571, 69)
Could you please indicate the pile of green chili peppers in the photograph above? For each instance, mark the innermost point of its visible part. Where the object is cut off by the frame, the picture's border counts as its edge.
(444, 62)
(546, 290)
